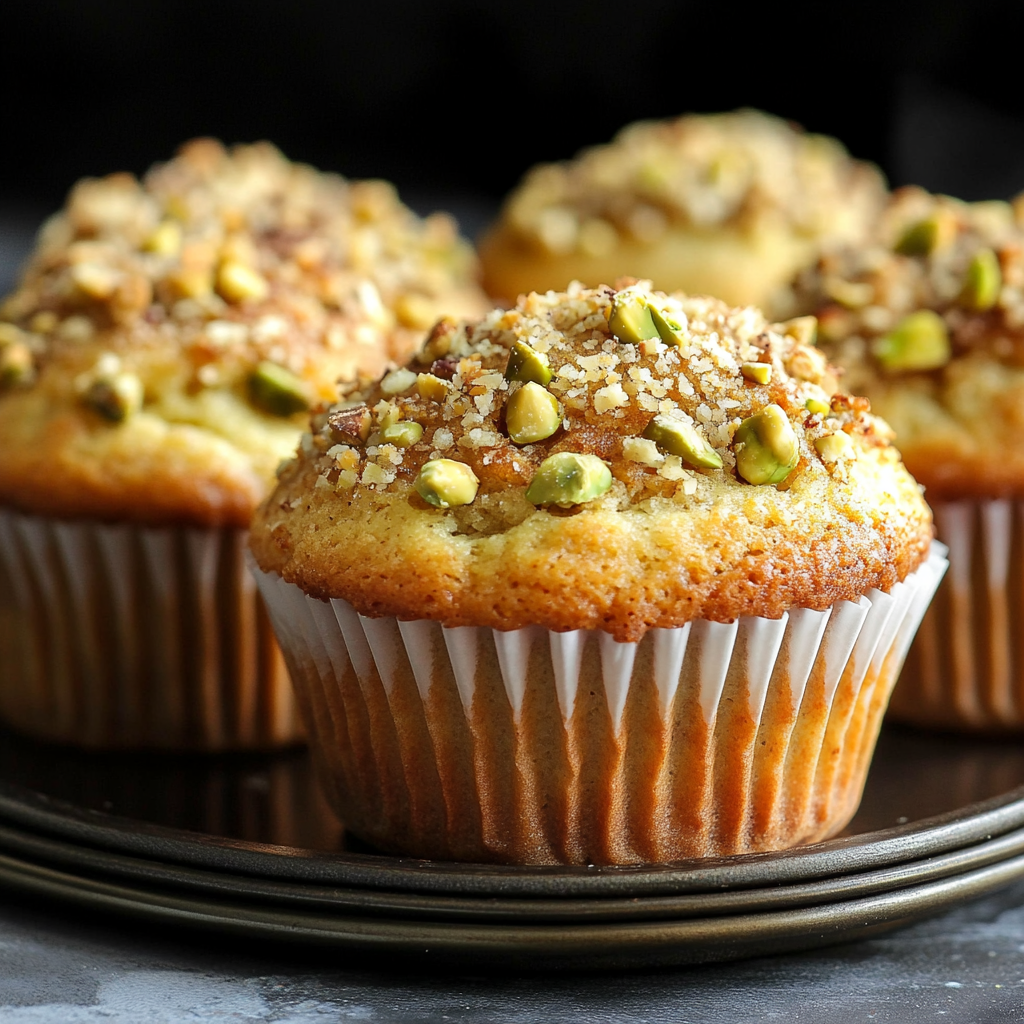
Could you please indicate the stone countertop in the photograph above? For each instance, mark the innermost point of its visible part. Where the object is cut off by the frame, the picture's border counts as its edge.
(63, 966)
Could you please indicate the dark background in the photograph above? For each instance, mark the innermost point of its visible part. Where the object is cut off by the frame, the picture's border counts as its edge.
(454, 99)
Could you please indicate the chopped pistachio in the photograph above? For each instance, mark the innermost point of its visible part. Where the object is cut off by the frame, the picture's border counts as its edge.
(236, 282)
(16, 366)
(803, 329)
(276, 390)
(668, 329)
(759, 373)
(851, 294)
(766, 447)
(630, 318)
(919, 341)
(526, 364)
(982, 282)
(568, 479)
(116, 397)
(927, 236)
(415, 311)
(682, 439)
(432, 388)
(532, 414)
(165, 239)
(402, 434)
(444, 483)
(834, 447)
(397, 381)
(817, 406)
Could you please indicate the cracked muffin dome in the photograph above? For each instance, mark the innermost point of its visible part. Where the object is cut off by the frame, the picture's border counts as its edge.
(168, 336)
(728, 204)
(610, 459)
(927, 320)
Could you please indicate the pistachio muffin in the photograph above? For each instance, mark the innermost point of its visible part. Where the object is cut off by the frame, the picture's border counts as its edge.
(610, 577)
(927, 320)
(730, 205)
(157, 362)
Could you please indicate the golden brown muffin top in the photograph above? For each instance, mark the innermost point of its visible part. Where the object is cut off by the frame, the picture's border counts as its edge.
(612, 458)
(167, 336)
(927, 320)
(743, 169)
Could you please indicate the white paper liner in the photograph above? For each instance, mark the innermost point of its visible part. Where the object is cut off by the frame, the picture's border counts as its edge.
(131, 636)
(966, 667)
(533, 746)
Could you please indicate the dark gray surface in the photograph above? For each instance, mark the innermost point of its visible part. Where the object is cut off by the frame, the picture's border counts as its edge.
(967, 966)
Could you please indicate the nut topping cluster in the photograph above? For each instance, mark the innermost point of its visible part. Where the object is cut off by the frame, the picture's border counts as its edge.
(941, 279)
(266, 277)
(625, 393)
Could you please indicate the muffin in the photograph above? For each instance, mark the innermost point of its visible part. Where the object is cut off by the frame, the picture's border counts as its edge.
(157, 362)
(610, 577)
(730, 205)
(928, 322)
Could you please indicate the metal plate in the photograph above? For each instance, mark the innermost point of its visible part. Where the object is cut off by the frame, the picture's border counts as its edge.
(264, 858)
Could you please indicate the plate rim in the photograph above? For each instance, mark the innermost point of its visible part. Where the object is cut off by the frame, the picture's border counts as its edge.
(963, 827)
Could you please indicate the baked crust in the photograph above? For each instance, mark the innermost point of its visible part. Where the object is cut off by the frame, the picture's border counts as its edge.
(666, 544)
(730, 205)
(958, 424)
(179, 288)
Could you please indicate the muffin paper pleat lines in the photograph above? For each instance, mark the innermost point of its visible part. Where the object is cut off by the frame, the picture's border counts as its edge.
(144, 636)
(617, 671)
(714, 642)
(669, 651)
(966, 666)
(566, 656)
(764, 638)
(772, 722)
(461, 642)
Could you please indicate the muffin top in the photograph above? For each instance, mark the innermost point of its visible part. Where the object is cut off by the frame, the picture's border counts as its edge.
(743, 172)
(613, 459)
(168, 336)
(927, 319)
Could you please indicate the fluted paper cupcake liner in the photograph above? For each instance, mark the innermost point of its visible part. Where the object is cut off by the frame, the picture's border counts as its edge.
(966, 667)
(533, 746)
(131, 636)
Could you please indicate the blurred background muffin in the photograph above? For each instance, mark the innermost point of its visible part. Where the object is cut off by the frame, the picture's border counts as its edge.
(730, 205)
(157, 362)
(927, 320)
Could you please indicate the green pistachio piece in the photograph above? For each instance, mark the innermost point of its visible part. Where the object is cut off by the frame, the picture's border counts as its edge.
(568, 479)
(803, 329)
(403, 434)
(668, 330)
(532, 414)
(983, 280)
(16, 365)
(445, 483)
(682, 439)
(276, 390)
(759, 373)
(115, 397)
(630, 319)
(526, 364)
(817, 406)
(919, 341)
(929, 235)
(766, 447)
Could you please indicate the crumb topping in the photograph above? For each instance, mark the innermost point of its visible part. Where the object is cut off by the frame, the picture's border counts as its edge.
(227, 260)
(662, 389)
(744, 168)
(961, 261)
